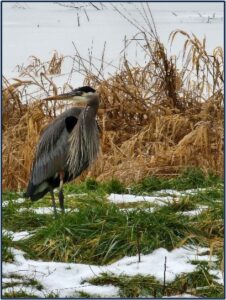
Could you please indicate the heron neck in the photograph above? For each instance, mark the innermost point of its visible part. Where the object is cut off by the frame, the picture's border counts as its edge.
(92, 107)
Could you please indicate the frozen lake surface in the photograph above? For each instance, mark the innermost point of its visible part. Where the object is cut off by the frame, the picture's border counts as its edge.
(40, 28)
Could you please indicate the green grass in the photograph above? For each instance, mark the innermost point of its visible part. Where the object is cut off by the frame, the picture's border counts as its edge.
(15, 221)
(7, 243)
(146, 286)
(197, 279)
(25, 281)
(131, 286)
(101, 233)
(91, 185)
(23, 295)
(9, 195)
(189, 179)
(19, 294)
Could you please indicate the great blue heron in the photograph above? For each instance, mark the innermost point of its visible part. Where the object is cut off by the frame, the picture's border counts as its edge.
(67, 147)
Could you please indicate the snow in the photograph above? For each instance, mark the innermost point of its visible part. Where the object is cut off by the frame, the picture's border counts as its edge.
(189, 213)
(50, 274)
(105, 291)
(9, 280)
(127, 198)
(219, 274)
(148, 209)
(46, 210)
(75, 276)
(195, 212)
(39, 210)
(29, 290)
(163, 200)
(152, 264)
(5, 203)
(184, 295)
(76, 195)
(17, 236)
(17, 201)
(180, 193)
(41, 28)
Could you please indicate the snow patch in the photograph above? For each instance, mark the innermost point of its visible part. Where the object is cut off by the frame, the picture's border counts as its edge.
(219, 274)
(11, 280)
(29, 290)
(5, 203)
(18, 201)
(195, 212)
(161, 197)
(17, 236)
(76, 195)
(185, 295)
(46, 210)
(50, 274)
(105, 291)
(127, 198)
(180, 193)
(148, 209)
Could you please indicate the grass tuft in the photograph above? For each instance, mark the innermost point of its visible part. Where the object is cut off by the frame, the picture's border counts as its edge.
(131, 286)
(7, 243)
(191, 178)
(114, 186)
(100, 233)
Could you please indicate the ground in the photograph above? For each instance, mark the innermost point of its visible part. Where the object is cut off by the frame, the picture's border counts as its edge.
(160, 237)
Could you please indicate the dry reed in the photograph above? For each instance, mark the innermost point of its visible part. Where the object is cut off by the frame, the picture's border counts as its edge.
(155, 119)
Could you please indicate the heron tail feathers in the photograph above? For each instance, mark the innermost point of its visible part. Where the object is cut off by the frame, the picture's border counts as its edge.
(36, 192)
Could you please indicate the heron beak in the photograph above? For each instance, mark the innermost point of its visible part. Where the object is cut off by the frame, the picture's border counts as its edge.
(79, 99)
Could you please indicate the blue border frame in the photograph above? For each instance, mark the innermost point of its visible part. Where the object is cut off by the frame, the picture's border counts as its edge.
(105, 1)
(156, 1)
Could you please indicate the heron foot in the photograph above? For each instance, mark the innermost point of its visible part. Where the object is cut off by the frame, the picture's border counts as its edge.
(61, 200)
(54, 203)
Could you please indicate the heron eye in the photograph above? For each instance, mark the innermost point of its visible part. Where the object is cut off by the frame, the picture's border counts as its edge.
(70, 123)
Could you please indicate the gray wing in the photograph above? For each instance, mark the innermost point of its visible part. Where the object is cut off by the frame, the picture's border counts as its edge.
(51, 151)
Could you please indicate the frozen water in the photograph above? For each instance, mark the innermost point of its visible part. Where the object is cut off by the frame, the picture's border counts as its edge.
(40, 28)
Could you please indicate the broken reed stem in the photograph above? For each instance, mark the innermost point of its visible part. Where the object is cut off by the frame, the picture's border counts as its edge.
(138, 243)
(78, 20)
(164, 277)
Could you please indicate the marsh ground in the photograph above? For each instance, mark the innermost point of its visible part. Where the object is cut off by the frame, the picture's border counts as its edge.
(118, 241)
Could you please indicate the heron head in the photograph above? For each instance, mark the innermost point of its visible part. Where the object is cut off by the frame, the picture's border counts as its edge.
(81, 95)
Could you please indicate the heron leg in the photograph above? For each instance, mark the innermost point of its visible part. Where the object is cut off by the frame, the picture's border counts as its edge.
(61, 194)
(53, 201)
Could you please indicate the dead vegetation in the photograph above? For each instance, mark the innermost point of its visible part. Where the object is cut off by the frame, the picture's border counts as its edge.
(156, 119)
